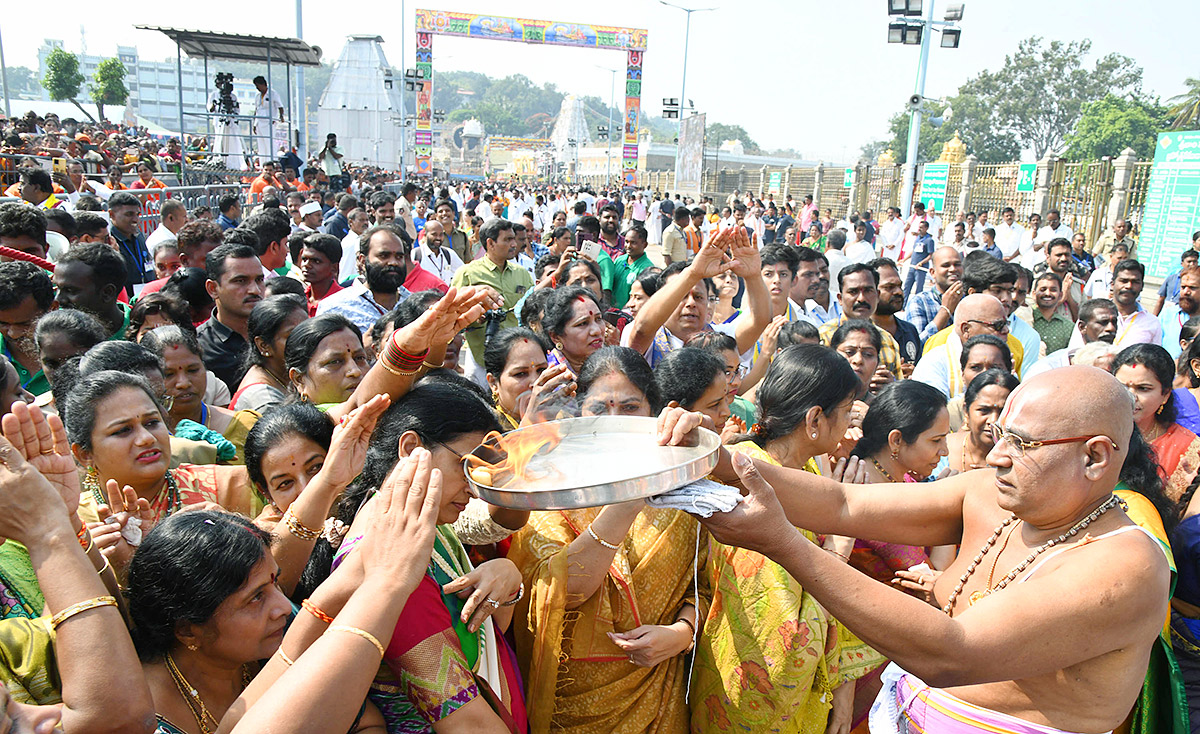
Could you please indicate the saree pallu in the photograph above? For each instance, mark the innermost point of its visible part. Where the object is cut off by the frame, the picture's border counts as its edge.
(1162, 706)
(1178, 454)
(577, 679)
(20, 594)
(770, 656)
(434, 665)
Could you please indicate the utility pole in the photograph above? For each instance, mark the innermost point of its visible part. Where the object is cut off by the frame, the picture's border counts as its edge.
(914, 120)
(4, 79)
(687, 33)
(302, 142)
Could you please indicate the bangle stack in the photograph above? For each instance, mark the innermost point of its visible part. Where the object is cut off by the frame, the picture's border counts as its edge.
(81, 607)
(297, 528)
(692, 645)
(399, 362)
(85, 539)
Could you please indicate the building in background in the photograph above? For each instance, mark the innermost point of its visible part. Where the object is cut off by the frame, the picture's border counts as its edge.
(153, 87)
(364, 105)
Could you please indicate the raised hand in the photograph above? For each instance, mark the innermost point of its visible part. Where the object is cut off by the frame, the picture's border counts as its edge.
(456, 310)
(42, 441)
(124, 521)
(554, 381)
(348, 449)
(400, 529)
(712, 259)
(770, 336)
(29, 508)
(747, 262)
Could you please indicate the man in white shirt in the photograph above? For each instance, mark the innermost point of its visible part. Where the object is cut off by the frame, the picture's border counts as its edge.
(935, 222)
(442, 261)
(268, 105)
(860, 251)
(1008, 235)
(980, 224)
(84, 187)
(1053, 229)
(173, 216)
(948, 235)
(359, 221)
(891, 232)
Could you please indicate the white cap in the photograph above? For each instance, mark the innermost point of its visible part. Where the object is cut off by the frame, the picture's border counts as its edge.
(309, 208)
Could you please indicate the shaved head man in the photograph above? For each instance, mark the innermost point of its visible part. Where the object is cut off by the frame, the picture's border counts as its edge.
(1045, 621)
(978, 313)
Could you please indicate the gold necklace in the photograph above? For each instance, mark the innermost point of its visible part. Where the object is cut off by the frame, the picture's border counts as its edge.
(1107, 505)
(1158, 433)
(884, 472)
(191, 697)
(972, 465)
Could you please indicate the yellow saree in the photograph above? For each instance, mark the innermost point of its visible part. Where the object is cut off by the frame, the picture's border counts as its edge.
(576, 679)
(770, 655)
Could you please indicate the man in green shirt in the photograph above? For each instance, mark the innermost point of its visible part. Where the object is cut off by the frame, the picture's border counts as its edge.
(495, 271)
(89, 277)
(1050, 319)
(26, 295)
(631, 265)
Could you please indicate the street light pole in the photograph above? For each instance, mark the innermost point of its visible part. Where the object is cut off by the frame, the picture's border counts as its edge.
(302, 107)
(612, 100)
(914, 120)
(687, 33)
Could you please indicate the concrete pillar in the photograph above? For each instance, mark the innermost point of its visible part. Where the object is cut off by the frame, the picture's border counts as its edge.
(968, 181)
(787, 184)
(858, 193)
(818, 183)
(1122, 178)
(1044, 178)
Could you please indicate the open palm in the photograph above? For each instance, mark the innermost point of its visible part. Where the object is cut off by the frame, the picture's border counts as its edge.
(42, 441)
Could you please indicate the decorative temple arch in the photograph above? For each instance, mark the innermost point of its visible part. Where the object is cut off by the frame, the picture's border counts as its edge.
(498, 28)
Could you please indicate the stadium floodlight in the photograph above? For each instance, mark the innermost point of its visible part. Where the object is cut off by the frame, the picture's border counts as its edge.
(896, 32)
(954, 11)
(950, 37)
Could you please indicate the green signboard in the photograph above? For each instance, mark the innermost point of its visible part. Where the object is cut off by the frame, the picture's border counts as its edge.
(933, 185)
(775, 183)
(1172, 210)
(848, 178)
(1026, 177)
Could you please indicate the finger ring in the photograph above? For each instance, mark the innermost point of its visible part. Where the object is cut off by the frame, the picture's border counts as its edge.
(495, 604)
(630, 658)
(51, 452)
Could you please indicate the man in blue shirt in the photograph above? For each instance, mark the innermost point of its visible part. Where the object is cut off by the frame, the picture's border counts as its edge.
(1169, 291)
(231, 211)
(922, 254)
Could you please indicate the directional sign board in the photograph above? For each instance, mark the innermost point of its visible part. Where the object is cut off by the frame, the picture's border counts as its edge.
(1026, 177)
(933, 185)
(775, 183)
(1172, 210)
(848, 178)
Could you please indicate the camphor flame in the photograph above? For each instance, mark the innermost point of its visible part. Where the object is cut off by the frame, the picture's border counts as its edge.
(517, 449)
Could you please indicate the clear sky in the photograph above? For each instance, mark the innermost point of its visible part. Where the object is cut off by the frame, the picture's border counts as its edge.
(815, 76)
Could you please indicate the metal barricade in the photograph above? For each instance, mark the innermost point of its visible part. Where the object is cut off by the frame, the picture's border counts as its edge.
(191, 196)
(10, 166)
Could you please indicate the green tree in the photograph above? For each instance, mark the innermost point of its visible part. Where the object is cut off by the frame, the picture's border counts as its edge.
(1185, 108)
(63, 78)
(1039, 94)
(1109, 125)
(973, 120)
(22, 81)
(108, 84)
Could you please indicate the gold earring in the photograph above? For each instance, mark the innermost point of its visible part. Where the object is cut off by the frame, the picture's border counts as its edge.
(193, 648)
(558, 346)
(91, 480)
(1160, 409)
(895, 455)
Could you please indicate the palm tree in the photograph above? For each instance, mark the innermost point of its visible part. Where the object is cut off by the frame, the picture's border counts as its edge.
(1185, 108)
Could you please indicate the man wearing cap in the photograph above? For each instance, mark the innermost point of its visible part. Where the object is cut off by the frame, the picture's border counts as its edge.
(310, 217)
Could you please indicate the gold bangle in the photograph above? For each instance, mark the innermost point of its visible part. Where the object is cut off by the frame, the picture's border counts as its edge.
(297, 528)
(83, 606)
(361, 633)
(597, 538)
(383, 361)
(283, 656)
(434, 366)
(691, 646)
(106, 567)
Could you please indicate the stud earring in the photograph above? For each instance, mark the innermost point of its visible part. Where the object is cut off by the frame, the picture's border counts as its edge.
(558, 346)
(193, 648)
(814, 435)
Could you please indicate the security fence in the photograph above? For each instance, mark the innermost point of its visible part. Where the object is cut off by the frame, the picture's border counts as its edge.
(1089, 195)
